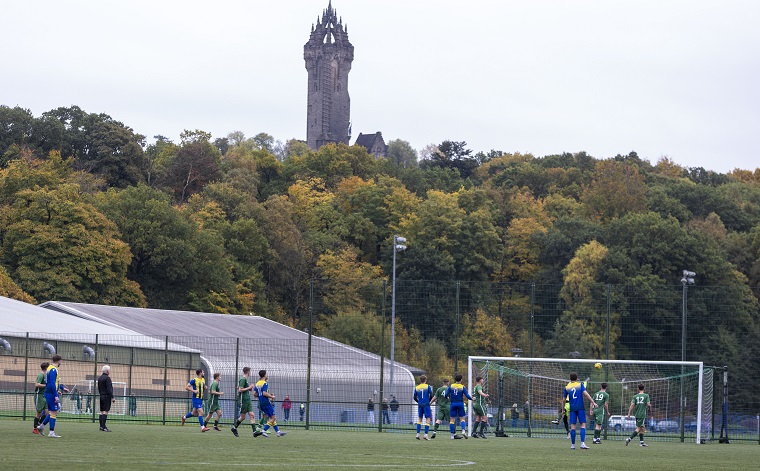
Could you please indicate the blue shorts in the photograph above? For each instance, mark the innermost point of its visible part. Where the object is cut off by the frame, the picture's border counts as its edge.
(51, 404)
(457, 410)
(424, 411)
(197, 403)
(577, 414)
(268, 410)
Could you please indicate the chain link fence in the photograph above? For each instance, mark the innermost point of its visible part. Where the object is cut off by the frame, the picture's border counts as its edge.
(343, 374)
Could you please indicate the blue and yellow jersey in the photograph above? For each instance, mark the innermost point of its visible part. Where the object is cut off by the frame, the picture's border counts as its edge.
(199, 384)
(262, 387)
(574, 394)
(457, 392)
(52, 380)
(423, 393)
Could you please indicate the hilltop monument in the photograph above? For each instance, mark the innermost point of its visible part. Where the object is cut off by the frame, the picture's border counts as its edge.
(328, 55)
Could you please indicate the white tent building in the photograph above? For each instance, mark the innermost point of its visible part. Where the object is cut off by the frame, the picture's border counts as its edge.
(337, 382)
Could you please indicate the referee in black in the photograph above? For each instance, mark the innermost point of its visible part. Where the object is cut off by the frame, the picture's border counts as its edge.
(105, 389)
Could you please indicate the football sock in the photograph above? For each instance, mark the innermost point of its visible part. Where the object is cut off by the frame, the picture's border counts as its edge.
(266, 427)
(452, 428)
(47, 419)
(253, 426)
(583, 435)
(276, 428)
(216, 423)
(52, 424)
(641, 437)
(463, 425)
(36, 422)
(634, 435)
(200, 420)
(572, 436)
(237, 423)
(427, 428)
(101, 421)
(435, 429)
(419, 426)
(189, 414)
(596, 433)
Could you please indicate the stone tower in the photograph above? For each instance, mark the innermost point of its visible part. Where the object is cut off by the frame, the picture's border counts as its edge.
(328, 56)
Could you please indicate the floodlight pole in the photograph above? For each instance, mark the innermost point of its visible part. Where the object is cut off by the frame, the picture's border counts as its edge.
(687, 279)
(397, 247)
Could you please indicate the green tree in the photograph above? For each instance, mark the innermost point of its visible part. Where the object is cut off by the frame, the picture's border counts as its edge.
(160, 238)
(401, 153)
(195, 165)
(60, 247)
(98, 143)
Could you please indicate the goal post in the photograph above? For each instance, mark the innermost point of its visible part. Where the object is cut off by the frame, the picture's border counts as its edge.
(681, 395)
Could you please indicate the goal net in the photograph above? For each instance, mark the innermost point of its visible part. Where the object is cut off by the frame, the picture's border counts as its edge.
(83, 398)
(526, 395)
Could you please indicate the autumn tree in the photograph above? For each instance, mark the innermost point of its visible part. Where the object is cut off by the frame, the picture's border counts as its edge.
(618, 188)
(582, 325)
(9, 289)
(349, 284)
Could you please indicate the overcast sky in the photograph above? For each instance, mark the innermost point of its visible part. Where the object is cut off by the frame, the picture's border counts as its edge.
(675, 78)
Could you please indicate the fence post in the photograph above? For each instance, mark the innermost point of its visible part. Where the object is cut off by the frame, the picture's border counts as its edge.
(308, 353)
(131, 364)
(456, 344)
(26, 372)
(94, 378)
(607, 353)
(532, 314)
(609, 317)
(382, 359)
(237, 372)
(530, 364)
(166, 366)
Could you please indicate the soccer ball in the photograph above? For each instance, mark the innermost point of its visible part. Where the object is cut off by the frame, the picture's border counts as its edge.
(598, 366)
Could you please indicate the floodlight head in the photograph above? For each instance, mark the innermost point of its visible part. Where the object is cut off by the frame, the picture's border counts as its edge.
(575, 354)
(5, 345)
(88, 352)
(688, 274)
(400, 248)
(48, 348)
(400, 239)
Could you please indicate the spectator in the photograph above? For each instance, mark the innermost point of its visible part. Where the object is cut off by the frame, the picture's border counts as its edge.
(132, 405)
(371, 411)
(526, 413)
(394, 409)
(77, 399)
(515, 415)
(287, 404)
(301, 411)
(386, 417)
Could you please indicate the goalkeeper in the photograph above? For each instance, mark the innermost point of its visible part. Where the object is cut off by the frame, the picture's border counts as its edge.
(564, 413)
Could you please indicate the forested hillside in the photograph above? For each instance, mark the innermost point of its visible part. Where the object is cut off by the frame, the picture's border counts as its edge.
(91, 213)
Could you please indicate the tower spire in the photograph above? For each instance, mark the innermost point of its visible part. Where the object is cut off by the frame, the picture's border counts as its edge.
(328, 55)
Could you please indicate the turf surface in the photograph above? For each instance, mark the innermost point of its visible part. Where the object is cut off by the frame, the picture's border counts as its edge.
(140, 447)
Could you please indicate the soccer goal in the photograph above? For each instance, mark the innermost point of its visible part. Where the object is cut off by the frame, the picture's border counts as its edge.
(83, 398)
(526, 395)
